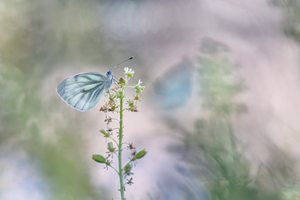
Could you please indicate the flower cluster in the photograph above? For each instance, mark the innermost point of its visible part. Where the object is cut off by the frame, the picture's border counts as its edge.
(118, 92)
(129, 73)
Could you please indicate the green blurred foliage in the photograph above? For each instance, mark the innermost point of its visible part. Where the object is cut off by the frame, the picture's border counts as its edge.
(218, 86)
(56, 148)
(42, 32)
(34, 36)
(65, 168)
(291, 193)
(213, 140)
(291, 23)
(212, 149)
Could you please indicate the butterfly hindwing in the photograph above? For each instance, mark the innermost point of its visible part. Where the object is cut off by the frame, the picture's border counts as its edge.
(83, 91)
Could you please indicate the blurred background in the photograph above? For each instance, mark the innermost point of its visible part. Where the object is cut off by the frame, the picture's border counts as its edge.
(219, 116)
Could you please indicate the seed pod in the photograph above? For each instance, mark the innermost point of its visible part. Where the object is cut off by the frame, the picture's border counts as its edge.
(99, 158)
(139, 155)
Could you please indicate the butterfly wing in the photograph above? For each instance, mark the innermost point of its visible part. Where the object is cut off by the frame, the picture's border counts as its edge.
(174, 88)
(83, 91)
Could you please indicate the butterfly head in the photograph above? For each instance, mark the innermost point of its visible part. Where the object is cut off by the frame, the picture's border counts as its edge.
(109, 75)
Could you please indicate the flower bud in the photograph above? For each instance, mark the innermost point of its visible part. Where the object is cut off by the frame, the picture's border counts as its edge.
(121, 82)
(139, 88)
(99, 158)
(110, 147)
(104, 133)
(127, 169)
(119, 94)
(139, 155)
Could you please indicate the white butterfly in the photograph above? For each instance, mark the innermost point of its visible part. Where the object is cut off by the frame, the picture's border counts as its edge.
(83, 91)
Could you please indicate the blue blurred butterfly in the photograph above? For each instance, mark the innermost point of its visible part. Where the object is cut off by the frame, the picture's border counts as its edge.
(83, 91)
(175, 87)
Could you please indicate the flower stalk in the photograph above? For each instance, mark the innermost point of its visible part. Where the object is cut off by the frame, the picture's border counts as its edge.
(118, 102)
(120, 135)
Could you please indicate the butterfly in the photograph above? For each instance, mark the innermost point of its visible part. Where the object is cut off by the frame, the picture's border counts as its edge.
(175, 86)
(83, 91)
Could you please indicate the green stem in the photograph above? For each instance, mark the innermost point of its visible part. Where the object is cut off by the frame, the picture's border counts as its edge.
(121, 177)
(113, 169)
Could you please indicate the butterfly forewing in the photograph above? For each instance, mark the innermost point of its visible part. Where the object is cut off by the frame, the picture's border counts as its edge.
(83, 91)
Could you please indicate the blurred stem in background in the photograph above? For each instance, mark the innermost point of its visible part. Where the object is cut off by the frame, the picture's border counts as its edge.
(214, 142)
(212, 149)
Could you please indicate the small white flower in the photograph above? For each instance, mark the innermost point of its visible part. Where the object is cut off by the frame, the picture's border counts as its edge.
(139, 83)
(128, 72)
(139, 88)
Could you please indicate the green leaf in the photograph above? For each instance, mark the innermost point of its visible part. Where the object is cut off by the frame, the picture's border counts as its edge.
(139, 155)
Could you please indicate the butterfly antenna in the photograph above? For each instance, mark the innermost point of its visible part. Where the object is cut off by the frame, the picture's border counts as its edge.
(117, 65)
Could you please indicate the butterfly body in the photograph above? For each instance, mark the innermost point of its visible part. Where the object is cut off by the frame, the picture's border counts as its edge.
(83, 91)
